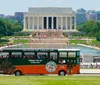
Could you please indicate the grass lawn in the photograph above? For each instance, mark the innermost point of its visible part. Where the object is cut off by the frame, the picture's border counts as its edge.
(78, 41)
(49, 80)
(95, 42)
(21, 41)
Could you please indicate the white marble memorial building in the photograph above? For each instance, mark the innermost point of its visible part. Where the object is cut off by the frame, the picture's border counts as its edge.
(50, 18)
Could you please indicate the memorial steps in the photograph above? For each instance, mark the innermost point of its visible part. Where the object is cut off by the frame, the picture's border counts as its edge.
(49, 39)
(47, 45)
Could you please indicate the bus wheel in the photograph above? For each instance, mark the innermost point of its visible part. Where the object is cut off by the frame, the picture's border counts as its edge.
(62, 73)
(18, 73)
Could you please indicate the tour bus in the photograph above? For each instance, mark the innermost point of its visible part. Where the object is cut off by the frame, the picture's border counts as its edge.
(96, 59)
(21, 61)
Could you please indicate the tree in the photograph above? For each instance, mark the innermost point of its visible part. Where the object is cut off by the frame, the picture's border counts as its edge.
(17, 27)
(3, 28)
(1, 35)
(90, 28)
(9, 26)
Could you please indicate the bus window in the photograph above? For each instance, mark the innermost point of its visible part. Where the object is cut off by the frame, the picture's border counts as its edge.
(16, 55)
(29, 55)
(72, 54)
(53, 56)
(4, 55)
(62, 54)
(42, 55)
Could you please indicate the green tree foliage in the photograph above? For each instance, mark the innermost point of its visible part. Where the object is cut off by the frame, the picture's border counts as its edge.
(20, 21)
(98, 36)
(8, 27)
(17, 27)
(3, 28)
(90, 28)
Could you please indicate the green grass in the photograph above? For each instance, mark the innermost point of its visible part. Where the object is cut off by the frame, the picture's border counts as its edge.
(95, 42)
(7, 37)
(21, 41)
(78, 41)
(49, 80)
(80, 37)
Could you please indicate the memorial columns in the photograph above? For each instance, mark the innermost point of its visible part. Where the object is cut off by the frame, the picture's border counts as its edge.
(70, 23)
(66, 24)
(52, 22)
(47, 23)
(61, 23)
(75, 23)
(24, 23)
(33, 23)
(57, 23)
(29, 22)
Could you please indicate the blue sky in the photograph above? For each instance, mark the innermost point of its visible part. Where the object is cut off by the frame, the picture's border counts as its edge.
(8, 7)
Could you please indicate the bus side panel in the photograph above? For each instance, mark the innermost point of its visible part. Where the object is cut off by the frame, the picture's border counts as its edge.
(42, 69)
(32, 69)
(76, 69)
(61, 67)
(27, 69)
(39, 69)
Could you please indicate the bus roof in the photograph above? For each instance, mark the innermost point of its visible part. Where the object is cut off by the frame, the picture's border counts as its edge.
(68, 49)
(38, 49)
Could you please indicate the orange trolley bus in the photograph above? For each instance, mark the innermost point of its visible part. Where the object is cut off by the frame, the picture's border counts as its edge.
(20, 61)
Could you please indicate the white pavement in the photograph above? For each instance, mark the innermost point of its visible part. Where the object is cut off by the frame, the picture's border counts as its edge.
(9, 46)
(94, 47)
(90, 71)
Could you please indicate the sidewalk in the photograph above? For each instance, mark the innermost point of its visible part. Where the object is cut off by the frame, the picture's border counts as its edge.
(9, 46)
(89, 46)
(89, 71)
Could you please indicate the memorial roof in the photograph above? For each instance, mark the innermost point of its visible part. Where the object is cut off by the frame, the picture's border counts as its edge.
(49, 10)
